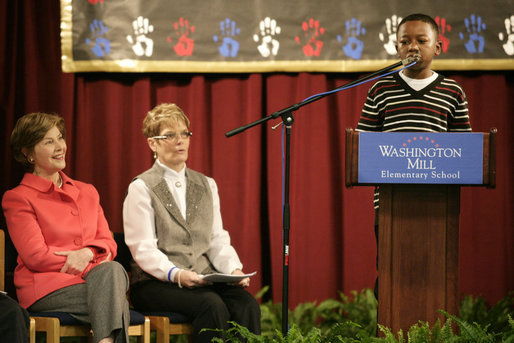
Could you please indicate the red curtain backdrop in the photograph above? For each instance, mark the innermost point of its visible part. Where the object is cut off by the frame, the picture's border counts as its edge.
(332, 242)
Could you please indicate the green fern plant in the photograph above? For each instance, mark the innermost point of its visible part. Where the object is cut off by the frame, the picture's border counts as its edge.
(508, 335)
(472, 332)
(237, 333)
(418, 333)
(389, 336)
(475, 310)
(353, 319)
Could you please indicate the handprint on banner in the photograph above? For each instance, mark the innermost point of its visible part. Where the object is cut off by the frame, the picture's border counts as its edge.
(508, 47)
(94, 2)
(142, 45)
(354, 46)
(229, 46)
(310, 41)
(99, 45)
(390, 36)
(268, 29)
(184, 44)
(474, 27)
(443, 28)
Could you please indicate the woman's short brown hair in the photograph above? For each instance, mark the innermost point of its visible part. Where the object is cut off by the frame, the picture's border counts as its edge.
(160, 115)
(30, 130)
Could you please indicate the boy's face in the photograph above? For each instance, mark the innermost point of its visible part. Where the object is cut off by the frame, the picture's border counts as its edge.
(417, 38)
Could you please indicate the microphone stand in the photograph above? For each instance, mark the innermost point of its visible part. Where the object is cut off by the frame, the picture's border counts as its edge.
(287, 119)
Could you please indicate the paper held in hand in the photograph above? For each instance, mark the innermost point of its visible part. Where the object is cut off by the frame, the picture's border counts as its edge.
(219, 277)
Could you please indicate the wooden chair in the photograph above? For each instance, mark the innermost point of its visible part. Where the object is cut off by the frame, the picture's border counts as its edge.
(165, 324)
(61, 324)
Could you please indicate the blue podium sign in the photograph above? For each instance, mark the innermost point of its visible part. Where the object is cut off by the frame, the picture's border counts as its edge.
(420, 157)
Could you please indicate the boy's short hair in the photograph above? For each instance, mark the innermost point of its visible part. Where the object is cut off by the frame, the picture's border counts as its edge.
(420, 17)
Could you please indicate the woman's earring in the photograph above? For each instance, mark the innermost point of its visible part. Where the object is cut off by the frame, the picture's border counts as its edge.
(154, 155)
(30, 159)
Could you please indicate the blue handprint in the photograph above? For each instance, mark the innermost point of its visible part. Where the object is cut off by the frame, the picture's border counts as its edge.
(101, 46)
(229, 46)
(474, 25)
(354, 46)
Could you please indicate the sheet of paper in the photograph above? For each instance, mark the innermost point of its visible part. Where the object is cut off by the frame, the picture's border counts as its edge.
(219, 277)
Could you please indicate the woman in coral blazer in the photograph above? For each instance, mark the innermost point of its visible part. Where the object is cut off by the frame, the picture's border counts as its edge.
(65, 248)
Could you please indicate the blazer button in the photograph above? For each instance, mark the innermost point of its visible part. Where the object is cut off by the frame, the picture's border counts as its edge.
(77, 241)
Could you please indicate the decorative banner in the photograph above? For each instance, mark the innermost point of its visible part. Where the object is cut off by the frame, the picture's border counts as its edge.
(421, 157)
(275, 35)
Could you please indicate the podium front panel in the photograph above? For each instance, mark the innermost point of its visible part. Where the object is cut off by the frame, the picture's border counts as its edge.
(417, 253)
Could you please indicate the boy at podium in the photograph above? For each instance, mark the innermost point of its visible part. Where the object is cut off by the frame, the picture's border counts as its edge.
(416, 98)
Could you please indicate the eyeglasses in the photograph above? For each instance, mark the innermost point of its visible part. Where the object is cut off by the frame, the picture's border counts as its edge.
(174, 136)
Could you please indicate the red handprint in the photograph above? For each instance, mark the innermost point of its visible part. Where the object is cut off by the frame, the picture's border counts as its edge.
(443, 27)
(311, 44)
(184, 45)
(94, 2)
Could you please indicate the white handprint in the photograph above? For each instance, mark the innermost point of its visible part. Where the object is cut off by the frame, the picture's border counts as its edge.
(142, 45)
(268, 29)
(509, 30)
(391, 27)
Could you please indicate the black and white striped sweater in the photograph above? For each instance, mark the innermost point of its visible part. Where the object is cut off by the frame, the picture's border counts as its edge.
(392, 105)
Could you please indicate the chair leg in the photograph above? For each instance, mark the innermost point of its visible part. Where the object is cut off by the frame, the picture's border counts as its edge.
(146, 331)
(53, 336)
(162, 327)
(140, 331)
(51, 326)
(32, 331)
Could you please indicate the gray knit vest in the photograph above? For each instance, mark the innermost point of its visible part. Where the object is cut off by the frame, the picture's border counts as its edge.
(184, 240)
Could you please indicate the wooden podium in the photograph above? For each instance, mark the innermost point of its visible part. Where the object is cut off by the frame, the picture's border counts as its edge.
(418, 243)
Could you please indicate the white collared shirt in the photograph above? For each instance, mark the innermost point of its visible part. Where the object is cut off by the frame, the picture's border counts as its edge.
(177, 184)
(139, 228)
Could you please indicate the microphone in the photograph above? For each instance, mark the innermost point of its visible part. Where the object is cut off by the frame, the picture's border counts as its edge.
(411, 59)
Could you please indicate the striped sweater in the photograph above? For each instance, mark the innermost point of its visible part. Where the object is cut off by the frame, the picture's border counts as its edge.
(393, 106)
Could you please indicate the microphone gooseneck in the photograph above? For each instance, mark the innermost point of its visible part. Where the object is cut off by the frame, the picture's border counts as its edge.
(283, 113)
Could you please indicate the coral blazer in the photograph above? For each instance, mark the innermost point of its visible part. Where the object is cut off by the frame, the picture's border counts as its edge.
(42, 219)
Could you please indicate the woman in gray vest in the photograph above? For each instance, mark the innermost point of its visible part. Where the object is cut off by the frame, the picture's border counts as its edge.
(173, 227)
